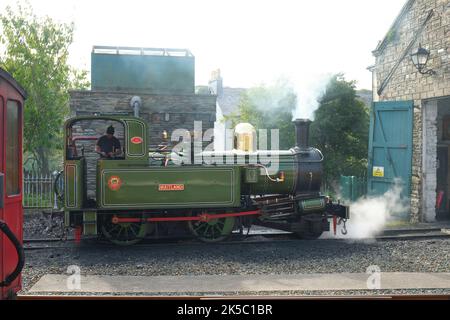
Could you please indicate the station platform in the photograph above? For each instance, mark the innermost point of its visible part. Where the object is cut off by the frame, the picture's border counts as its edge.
(216, 284)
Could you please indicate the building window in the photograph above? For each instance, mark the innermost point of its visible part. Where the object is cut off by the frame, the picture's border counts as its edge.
(12, 148)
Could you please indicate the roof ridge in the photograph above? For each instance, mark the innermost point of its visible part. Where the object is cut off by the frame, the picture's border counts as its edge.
(382, 44)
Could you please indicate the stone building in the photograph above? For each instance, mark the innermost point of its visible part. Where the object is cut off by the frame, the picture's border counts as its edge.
(162, 78)
(396, 78)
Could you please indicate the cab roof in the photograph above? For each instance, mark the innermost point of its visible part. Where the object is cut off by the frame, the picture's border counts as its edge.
(119, 118)
(9, 78)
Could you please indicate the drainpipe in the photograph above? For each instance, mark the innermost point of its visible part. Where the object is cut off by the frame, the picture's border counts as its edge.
(136, 103)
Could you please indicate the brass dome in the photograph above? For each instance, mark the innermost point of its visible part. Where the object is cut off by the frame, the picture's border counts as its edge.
(245, 137)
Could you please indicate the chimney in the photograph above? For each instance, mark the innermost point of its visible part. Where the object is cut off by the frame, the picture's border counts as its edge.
(215, 83)
(302, 133)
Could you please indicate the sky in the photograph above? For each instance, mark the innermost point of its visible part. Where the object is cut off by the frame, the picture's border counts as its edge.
(252, 42)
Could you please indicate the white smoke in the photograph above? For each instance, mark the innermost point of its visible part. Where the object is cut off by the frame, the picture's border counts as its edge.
(309, 90)
(369, 215)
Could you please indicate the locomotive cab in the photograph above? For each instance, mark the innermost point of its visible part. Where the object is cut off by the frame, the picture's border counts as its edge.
(81, 160)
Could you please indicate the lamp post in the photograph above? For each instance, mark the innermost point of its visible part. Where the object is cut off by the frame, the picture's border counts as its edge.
(420, 58)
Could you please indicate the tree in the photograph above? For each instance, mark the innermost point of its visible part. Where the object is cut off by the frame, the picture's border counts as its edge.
(340, 130)
(269, 107)
(36, 54)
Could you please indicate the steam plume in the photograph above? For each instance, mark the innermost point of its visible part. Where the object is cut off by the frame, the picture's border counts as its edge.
(369, 215)
(309, 90)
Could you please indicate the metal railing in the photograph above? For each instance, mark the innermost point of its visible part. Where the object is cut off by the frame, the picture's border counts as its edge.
(38, 190)
(352, 188)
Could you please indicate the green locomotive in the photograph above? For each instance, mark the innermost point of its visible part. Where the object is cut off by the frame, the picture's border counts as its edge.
(145, 192)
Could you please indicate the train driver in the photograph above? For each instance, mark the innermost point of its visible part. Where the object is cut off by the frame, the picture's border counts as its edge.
(107, 145)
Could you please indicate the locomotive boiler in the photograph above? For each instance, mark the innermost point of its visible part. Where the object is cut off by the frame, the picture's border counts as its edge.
(151, 193)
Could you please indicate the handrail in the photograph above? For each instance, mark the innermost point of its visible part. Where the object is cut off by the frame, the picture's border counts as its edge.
(85, 138)
(20, 254)
(55, 186)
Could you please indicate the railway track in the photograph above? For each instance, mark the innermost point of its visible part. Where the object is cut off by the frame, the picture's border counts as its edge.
(253, 238)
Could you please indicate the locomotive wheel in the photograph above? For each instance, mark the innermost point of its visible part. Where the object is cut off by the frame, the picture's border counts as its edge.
(124, 234)
(212, 231)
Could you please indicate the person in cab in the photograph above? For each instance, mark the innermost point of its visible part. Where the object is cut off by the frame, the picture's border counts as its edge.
(108, 146)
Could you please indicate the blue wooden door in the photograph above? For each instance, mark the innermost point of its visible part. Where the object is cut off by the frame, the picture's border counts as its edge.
(390, 146)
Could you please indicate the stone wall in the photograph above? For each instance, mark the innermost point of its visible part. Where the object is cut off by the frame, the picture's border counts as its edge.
(162, 112)
(416, 169)
(406, 83)
(429, 161)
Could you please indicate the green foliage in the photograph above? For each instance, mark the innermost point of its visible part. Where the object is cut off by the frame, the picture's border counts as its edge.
(269, 107)
(36, 54)
(340, 130)
(392, 35)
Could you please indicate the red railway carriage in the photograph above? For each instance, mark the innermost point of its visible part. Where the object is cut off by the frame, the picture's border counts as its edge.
(12, 97)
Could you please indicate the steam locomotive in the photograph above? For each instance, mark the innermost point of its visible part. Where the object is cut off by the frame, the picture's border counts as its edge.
(145, 193)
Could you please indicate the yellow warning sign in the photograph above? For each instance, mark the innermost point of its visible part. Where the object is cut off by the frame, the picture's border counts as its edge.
(378, 172)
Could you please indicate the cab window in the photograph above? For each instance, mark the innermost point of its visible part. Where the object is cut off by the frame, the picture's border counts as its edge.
(84, 135)
(12, 147)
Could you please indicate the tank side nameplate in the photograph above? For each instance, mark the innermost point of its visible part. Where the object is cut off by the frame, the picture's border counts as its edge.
(171, 187)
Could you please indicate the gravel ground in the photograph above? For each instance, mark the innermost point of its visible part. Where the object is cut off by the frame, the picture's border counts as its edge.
(287, 257)
(38, 224)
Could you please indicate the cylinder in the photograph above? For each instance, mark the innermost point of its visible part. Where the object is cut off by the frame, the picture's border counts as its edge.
(302, 133)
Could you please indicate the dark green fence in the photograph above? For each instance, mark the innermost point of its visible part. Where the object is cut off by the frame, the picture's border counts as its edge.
(353, 188)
